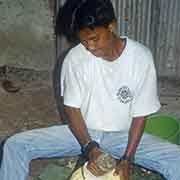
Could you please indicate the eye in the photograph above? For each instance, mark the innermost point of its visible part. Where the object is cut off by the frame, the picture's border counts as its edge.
(95, 39)
(83, 42)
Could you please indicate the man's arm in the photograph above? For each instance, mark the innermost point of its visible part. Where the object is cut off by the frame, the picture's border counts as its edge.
(135, 133)
(77, 125)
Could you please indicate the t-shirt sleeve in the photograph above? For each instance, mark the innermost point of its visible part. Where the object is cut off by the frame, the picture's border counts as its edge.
(146, 100)
(71, 86)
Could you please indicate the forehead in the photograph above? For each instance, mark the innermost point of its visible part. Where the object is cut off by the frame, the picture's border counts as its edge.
(91, 32)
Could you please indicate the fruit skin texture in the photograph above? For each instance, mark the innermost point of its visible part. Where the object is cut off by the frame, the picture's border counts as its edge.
(84, 174)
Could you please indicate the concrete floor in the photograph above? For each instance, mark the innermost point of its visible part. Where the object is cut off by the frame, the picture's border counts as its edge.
(34, 106)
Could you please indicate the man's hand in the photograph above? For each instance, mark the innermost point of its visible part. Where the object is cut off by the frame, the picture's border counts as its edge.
(123, 168)
(92, 165)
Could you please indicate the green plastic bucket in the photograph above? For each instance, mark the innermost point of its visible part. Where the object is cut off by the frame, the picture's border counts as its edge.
(163, 126)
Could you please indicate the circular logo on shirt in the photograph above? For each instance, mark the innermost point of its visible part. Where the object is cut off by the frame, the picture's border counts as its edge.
(124, 94)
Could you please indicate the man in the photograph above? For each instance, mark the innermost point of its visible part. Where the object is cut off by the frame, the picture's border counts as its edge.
(109, 87)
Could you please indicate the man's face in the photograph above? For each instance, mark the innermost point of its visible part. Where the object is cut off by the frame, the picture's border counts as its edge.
(97, 40)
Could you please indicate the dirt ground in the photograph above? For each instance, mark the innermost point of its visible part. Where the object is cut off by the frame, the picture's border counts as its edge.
(34, 106)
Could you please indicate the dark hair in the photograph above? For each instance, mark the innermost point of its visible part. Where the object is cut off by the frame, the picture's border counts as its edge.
(75, 15)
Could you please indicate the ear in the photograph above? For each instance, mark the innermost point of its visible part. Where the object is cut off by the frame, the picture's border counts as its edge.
(112, 27)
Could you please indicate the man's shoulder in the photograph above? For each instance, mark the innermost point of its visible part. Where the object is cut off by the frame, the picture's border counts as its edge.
(77, 58)
(138, 47)
(76, 52)
(142, 55)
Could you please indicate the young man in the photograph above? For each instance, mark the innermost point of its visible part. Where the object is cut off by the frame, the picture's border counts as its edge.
(109, 87)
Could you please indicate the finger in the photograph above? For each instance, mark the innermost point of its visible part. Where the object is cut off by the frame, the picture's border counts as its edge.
(99, 171)
(118, 169)
(126, 173)
(121, 177)
(94, 169)
(122, 169)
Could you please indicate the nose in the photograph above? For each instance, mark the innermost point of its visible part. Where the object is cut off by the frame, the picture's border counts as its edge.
(91, 45)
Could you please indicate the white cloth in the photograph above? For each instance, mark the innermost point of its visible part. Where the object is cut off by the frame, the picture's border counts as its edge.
(110, 94)
(83, 173)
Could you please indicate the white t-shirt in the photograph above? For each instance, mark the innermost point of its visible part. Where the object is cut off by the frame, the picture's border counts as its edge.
(110, 94)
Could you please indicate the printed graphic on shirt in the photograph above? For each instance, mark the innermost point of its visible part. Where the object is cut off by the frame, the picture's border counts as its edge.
(124, 95)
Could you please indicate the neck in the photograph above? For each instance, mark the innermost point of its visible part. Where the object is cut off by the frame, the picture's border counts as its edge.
(116, 49)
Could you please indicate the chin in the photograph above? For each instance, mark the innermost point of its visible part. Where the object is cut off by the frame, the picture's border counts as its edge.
(98, 54)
